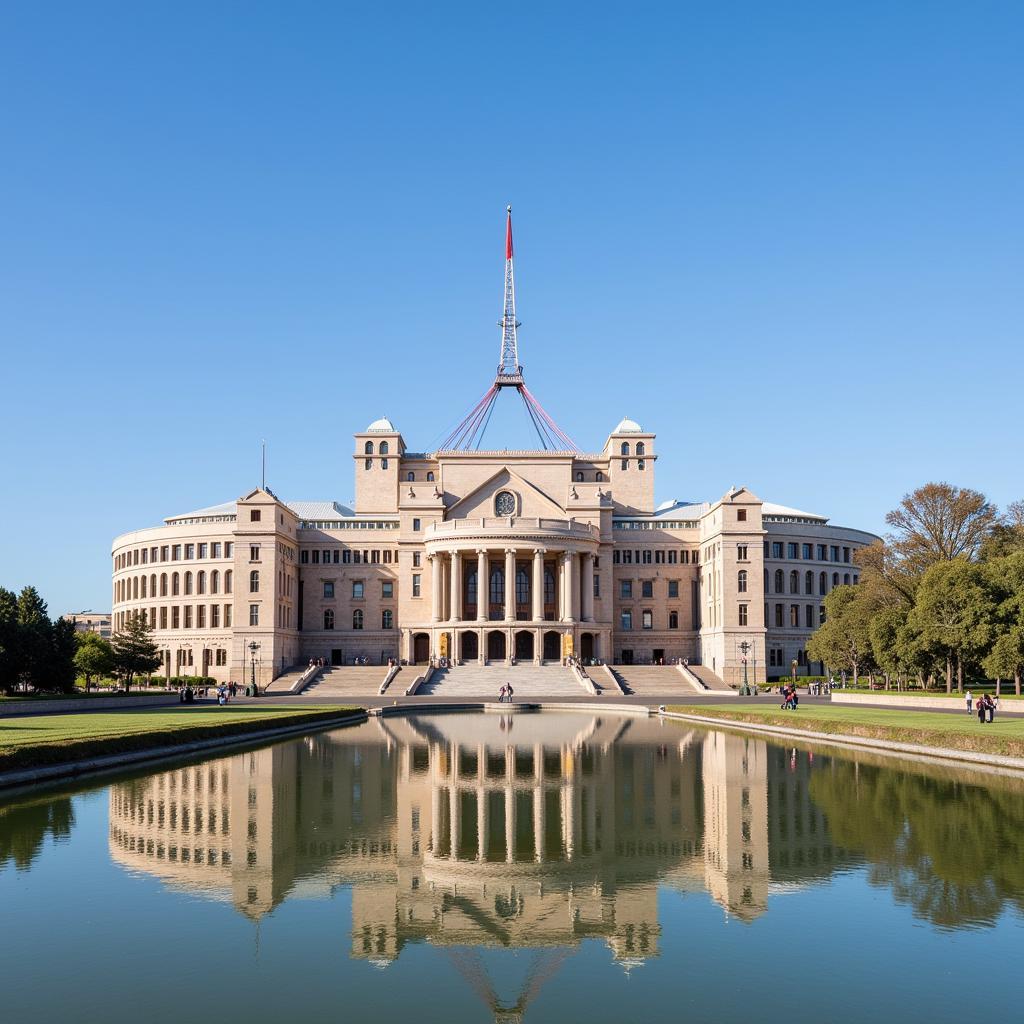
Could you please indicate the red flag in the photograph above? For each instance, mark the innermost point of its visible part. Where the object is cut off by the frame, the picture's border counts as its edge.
(508, 236)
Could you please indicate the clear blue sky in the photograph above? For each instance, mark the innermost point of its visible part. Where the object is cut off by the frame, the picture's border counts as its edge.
(785, 236)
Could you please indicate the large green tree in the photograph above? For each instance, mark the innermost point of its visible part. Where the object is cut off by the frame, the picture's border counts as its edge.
(134, 651)
(94, 657)
(843, 641)
(952, 614)
(9, 654)
(35, 639)
(1005, 659)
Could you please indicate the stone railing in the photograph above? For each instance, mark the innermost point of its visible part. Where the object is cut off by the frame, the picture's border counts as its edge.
(502, 525)
(392, 672)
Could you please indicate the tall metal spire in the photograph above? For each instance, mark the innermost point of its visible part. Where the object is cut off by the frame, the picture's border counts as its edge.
(510, 373)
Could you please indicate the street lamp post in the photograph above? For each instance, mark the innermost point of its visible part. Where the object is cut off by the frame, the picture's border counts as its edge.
(745, 688)
(253, 648)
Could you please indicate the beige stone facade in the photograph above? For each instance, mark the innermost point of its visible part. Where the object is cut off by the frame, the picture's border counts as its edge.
(485, 556)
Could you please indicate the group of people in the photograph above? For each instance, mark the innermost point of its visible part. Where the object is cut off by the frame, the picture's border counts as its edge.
(791, 697)
(985, 706)
(505, 693)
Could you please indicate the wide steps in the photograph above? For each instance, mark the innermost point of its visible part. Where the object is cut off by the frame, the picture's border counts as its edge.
(712, 681)
(529, 682)
(656, 680)
(347, 681)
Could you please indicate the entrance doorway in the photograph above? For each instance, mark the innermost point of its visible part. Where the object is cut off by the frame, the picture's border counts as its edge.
(336, 656)
(470, 646)
(524, 645)
(627, 656)
(552, 646)
(420, 648)
(496, 645)
(658, 655)
(587, 646)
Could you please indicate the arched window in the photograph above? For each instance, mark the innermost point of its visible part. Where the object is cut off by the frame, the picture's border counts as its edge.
(174, 585)
(794, 582)
(430, 476)
(599, 477)
(822, 584)
(846, 580)
(471, 588)
(780, 582)
(152, 585)
(387, 619)
(640, 448)
(522, 587)
(201, 582)
(144, 586)
(357, 619)
(673, 620)
(163, 584)
(504, 503)
(741, 581)
(214, 581)
(497, 592)
(410, 476)
(624, 448)
(135, 588)
(188, 583)
(579, 477)
(383, 449)
(254, 581)
(808, 582)
(328, 618)
(227, 581)
(368, 448)
(835, 579)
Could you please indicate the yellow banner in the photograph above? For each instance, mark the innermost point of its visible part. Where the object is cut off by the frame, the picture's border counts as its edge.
(444, 645)
(566, 645)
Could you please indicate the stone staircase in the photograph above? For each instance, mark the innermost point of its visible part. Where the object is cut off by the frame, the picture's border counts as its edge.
(284, 682)
(713, 682)
(341, 682)
(482, 682)
(654, 680)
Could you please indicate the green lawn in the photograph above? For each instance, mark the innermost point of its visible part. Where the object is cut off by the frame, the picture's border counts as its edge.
(927, 728)
(50, 739)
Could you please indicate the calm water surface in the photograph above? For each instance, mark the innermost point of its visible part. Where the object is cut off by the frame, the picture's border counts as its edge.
(552, 867)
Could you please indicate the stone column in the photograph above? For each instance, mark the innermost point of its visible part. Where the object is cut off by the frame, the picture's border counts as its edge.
(510, 823)
(453, 812)
(481, 822)
(510, 585)
(567, 587)
(537, 585)
(538, 822)
(587, 591)
(482, 586)
(456, 587)
(435, 588)
(574, 587)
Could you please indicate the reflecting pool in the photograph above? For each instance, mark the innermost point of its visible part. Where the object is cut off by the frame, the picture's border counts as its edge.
(530, 867)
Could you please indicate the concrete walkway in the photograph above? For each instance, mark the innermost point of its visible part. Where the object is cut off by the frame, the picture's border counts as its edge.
(530, 682)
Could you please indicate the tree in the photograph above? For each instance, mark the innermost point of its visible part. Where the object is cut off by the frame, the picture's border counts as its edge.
(61, 674)
(1006, 658)
(134, 650)
(9, 654)
(1007, 534)
(939, 523)
(34, 639)
(952, 613)
(94, 657)
(843, 640)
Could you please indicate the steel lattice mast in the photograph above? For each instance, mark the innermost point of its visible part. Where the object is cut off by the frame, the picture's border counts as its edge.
(469, 433)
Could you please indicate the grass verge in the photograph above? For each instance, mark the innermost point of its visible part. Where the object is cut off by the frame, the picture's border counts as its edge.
(924, 728)
(54, 739)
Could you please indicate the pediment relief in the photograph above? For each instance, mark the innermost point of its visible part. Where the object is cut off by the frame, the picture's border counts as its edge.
(505, 493)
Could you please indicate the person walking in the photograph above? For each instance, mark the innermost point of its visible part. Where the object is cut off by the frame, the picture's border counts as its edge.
(981, 710)
(969, 697)
(501, 693)
(990, 708)
(509, 691)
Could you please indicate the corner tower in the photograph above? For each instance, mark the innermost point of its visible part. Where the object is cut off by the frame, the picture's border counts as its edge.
(630, 451)
(378, 454)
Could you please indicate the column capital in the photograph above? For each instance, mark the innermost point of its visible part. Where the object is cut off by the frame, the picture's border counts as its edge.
(510, 551)
(539, 552)
(480, 551)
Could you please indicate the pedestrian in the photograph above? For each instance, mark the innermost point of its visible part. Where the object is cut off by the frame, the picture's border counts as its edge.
(509, 691)
(990, 707)
(969, 697)
(981, 710)
(501, 693)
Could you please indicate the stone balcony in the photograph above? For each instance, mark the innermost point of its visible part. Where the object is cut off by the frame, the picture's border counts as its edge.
(559, 532)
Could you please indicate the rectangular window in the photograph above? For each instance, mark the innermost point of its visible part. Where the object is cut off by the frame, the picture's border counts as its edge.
(335, 555)
(741, 552)
(328, 589)
(327, 558)
(202, 550)
(163, 617)
(254, 552)
(809, 610)
(743, 615)
(647, 619)
(627, 557)
(387, 589)
(229, 548)
(346, 557)
(625, 588)
(615, 558)
(416, 559)
(791, 550)
(357, 590)
(190, 551)
(822, 553)
(779, 616)
(163, 553)
(416, 525)
(316, 557)
(741, 515)
(304, 557)
(375, 557)
(200, 616)
(176, 553)
(254, 515)
(846, 554)
(626, 620)
(416, 584)
(254, 615)
(175, 618)
(215, 549)
(597, 585)
(188, 616)
(214, 616)
(806, 551)
(835, 552)
(672, 558)
(673, 588)
(647, 588)
(647, 558)
(776, 549)
(227, 616)
(659, 557)
(794, 616)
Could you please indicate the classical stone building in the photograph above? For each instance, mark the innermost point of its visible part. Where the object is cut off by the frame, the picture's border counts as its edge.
(485, 556)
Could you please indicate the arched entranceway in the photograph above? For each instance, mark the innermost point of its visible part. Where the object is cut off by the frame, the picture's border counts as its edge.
(420, 648)
(524, 645)
(586, 646)
(552, 646)
(470, 647)
(496, 645)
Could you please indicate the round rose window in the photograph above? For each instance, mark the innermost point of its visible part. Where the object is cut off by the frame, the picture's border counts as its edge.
(505, 504)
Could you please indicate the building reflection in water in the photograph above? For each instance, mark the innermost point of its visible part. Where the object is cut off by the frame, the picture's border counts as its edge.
(485, 830)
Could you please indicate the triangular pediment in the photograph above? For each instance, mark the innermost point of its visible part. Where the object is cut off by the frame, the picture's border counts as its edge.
(530, 499)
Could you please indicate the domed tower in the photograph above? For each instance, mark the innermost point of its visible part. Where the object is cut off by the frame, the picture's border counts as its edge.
(630, 451)
(378, 453)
